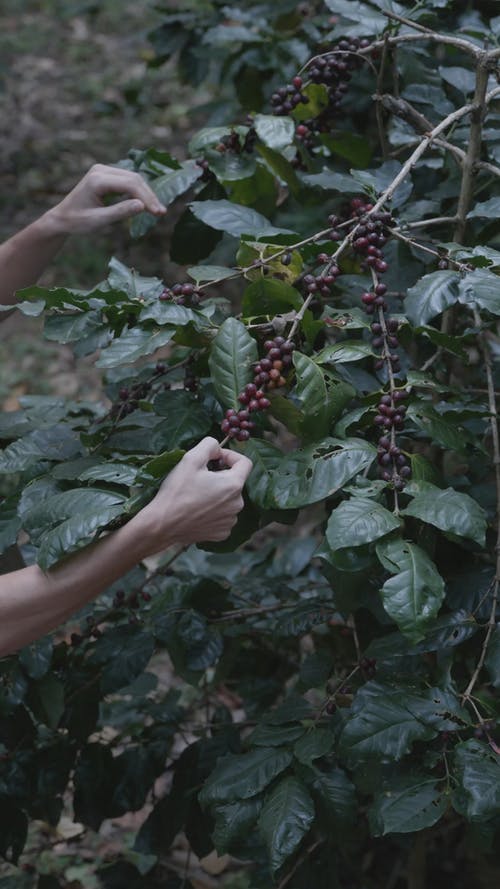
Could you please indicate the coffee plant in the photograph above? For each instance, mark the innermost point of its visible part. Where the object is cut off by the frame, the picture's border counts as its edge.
(334, 717)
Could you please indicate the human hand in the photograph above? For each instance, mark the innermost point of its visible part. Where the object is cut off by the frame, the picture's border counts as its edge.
(195, 504)
(83, 210)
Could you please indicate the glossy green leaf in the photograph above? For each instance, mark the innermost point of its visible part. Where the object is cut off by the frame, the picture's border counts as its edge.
(432, 295)
(268, 296)
(232, 354)
(70, 520)
(204, 273)
(233, 219)
(232, 823)
(241, 776)
(125, 652)
(480, 289)
(275, 132)
(349, 350)
(357, 521)
(414, 595)
(387, 719)
(406, 804)
(477, 771)
(449, 510)
(134, 344)
(287, 815)
(55, 443)
(186, 419)
(315, 472)
(489, 209)
(315, 743)
(336, 796)
(167, 188)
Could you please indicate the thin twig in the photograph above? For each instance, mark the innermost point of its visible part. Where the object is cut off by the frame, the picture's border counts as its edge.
(285, 881)
(473, 151)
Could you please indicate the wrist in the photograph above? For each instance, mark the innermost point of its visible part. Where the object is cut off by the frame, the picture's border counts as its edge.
(53, 225)
(147, 533)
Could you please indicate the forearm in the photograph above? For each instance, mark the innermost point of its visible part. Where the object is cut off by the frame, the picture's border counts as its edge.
(25, 256)
(33, 603)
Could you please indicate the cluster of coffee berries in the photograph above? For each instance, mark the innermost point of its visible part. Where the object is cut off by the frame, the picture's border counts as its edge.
(371, 232)
(286, 98)
(181, 294)
(333, 70)
(321, 283)
(268, 374)
(232, 142)
(129, 397)
(393, 464)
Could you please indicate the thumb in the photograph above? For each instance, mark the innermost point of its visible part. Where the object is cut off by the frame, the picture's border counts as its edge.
(207, 449)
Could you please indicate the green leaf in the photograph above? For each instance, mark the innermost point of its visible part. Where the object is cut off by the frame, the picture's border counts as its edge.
(432, 295)
(268, 296)
(480, 288)
(71, 328)
(167, 188)
(315, 472)
(310, 389)
(275, 132)
(161, 465)
(489, 209)
(449, 510)
(315, 743)
(205, 273)
(415, 594)
(10, 524)
(234, 219)
(379, 179)
(186, 419)
(36, 658)
(349, 350)
(233, 822)
(241, 776)
(231, 357)
(114, 473)
(387, 719)
(166, 313)
(317, 94)
(266, 458)
(49, 694)
(55, 443)
(336, 797)
(134, 344)
(366, 18)
(124, 653)
(287, 815)
(407, 803)
(330, 181)
(477, 770)
(275, 735)
(281, 167)
(67, 521)
(357, 521)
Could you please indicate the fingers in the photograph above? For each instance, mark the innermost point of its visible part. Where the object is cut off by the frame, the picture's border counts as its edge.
(116, 212)
(207, 449)
(113, 179)
(240, 465)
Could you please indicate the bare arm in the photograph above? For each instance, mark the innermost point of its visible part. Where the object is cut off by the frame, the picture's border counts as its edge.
(193, 504)
(24, 257)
